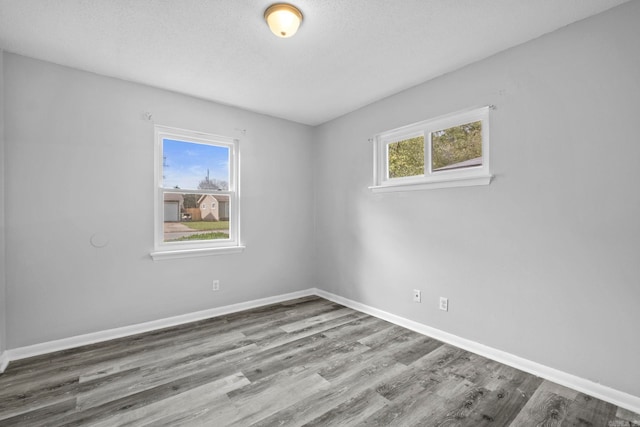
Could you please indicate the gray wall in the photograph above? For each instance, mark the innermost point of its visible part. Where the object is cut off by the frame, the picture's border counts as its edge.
(544, 262)
(81, 162)
(3, 338)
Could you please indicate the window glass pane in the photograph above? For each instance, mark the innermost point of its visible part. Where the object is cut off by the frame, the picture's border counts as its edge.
(457, 147)
(194, 166)
(190, 217)
(406, 157)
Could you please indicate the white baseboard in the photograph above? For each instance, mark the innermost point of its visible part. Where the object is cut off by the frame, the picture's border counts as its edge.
(124, 331)
(618, 398)
(4, 361)
(599, 391)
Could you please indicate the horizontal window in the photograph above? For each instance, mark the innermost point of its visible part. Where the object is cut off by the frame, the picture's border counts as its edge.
(448, 151)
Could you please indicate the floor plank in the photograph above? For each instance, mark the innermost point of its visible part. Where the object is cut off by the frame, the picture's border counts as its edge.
(307, 361)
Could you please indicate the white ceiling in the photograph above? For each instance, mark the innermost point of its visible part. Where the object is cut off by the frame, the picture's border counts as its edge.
(347, 53)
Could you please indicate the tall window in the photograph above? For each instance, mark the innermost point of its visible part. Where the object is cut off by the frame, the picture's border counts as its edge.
(448, 151)
(197, 202)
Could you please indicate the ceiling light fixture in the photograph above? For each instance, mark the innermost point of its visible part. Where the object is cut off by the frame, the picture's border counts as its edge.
(283, 19)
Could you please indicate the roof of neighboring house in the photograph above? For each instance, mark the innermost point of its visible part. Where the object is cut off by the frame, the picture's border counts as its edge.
(466, 164)
(218, 197)
(173, 197)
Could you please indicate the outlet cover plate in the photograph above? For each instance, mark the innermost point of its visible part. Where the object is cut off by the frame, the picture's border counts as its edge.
(417, 295)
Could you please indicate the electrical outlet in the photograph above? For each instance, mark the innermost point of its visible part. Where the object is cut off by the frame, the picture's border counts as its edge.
(216, 285)
(417, 295)
(444, 304)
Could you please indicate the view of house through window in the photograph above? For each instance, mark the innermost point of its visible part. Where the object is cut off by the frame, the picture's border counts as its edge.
(189, 216)
(195, 179)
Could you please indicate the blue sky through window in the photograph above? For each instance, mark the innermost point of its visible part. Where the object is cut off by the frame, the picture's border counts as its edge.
(186, 163)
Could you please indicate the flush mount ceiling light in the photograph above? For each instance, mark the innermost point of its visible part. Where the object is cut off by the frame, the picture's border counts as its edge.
(283, 19)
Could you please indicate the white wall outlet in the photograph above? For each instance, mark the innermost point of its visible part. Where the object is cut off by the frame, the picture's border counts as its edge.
(444, 303)
(215, 286)
(417, 295)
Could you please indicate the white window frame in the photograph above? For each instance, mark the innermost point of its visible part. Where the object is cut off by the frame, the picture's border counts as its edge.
(169, 250)
(468, 176)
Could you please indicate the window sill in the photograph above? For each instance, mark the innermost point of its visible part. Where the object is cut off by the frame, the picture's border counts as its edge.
(190, 253)
(432, 185)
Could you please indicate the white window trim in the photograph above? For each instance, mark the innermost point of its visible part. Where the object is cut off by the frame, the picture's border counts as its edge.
(470, 176)
(172, 250)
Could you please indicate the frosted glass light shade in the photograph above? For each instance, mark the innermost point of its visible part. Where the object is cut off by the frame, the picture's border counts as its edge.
(283, 19)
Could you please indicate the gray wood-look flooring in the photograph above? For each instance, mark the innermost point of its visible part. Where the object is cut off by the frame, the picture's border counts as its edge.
(304, 362)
